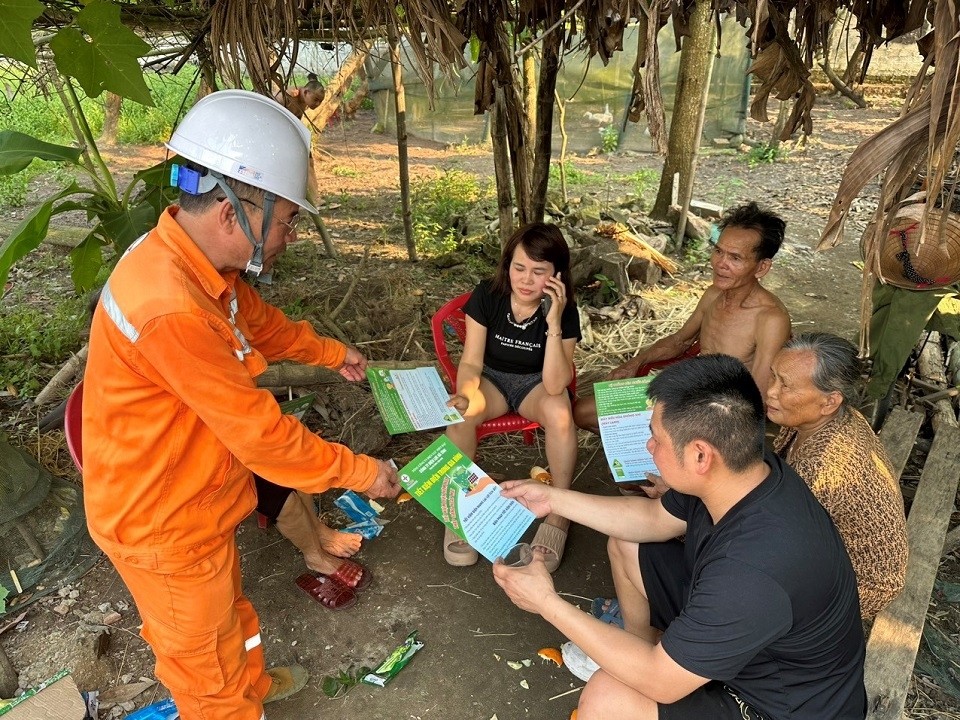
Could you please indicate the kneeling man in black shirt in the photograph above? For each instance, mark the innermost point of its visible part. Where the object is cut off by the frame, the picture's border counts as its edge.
(754, 615)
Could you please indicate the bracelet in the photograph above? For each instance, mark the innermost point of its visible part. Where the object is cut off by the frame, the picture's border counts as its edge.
(554, 334)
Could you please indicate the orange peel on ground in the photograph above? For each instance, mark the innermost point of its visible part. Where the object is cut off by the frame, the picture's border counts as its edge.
(541, 475)
(549, 653)
(403, 497)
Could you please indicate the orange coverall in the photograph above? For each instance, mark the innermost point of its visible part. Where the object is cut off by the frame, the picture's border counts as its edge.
(173, 425)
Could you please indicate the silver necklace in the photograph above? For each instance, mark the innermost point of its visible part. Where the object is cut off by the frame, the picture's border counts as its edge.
(520, 325)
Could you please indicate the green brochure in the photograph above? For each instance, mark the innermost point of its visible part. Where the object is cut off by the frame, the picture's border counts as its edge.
(411, 400)
(624, 412)
(465, 499)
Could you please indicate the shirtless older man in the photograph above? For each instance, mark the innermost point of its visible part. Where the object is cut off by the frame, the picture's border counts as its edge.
(736, 315)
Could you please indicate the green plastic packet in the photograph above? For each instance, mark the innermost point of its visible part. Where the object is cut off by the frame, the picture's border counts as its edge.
(394, 663)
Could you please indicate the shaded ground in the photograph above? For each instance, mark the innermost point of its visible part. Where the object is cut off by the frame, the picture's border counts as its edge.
(463, 618)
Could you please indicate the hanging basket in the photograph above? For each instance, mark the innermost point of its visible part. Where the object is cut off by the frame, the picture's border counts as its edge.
(907, 263)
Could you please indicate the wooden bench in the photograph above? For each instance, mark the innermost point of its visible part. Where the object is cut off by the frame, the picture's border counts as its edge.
(895, 637)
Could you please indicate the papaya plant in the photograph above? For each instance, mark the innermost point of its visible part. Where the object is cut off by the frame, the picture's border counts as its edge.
(117, 218)
(96, 50)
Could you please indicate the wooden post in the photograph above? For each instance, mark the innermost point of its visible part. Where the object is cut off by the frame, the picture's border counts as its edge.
(501, 167)
(687, 194)
(400, 104)
(684, 141)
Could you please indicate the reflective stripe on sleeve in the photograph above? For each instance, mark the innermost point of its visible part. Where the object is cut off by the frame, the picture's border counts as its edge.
(251, 643)
(116, 314)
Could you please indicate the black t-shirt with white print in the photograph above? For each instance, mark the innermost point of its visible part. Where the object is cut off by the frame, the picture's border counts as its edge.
(515, 347)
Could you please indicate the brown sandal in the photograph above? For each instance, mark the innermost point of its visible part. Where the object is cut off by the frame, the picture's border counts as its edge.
(457, 552)
(550, 541)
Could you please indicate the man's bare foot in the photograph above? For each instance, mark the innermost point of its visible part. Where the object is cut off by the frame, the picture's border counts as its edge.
(300, 526)
(338, 543)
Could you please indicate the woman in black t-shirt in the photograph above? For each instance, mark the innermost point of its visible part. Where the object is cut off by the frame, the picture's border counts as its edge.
(522, 327)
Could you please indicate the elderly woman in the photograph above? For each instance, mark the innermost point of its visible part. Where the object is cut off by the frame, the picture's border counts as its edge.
(834, 450)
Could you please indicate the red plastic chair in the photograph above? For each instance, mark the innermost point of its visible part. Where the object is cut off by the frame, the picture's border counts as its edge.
(449, 327)
(72, 425)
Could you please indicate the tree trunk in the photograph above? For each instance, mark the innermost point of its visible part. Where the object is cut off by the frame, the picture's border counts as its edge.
(529, 70)
(400, 105)
(692, 88)
(507, 81)
(111, 117)
(501, 166)
(543, 140)
(335, 90)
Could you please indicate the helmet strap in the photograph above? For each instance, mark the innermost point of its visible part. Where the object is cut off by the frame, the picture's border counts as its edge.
(255, 264)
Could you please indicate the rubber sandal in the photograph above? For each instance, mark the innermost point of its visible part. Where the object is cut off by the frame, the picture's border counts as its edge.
(456, 552)
(607, 610)
(329, 593)
(351, 574)
(285, 681)
(553, 540)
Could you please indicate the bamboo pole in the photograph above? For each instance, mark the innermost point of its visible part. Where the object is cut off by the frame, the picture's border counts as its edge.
(400, 104)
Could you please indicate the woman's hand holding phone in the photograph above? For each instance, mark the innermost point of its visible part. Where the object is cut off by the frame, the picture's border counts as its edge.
(553, 301)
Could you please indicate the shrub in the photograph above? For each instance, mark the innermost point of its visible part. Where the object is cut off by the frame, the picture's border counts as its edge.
(440, 205)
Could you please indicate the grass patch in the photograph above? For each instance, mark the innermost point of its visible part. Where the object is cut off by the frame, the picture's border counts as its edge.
(35, 341)
(764, 155)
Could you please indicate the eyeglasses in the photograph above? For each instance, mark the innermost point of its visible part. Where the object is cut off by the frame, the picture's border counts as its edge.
(292, 223)
(289, 225)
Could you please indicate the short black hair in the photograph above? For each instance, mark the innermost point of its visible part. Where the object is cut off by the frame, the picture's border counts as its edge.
(198, 203)
(768, 225)
(715, 399)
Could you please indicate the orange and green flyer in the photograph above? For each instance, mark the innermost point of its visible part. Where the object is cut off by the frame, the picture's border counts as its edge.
(465, 499)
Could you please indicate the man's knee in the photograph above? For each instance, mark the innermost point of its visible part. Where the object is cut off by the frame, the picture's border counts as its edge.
(585, 414)
(605, 698)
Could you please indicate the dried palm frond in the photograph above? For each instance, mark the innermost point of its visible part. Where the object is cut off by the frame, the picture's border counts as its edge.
(925, 136)
(258, 37)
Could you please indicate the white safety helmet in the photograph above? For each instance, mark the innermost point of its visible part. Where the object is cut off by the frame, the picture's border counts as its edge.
(250, 138)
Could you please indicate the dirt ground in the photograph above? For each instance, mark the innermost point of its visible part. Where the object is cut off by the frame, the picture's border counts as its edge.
(469, 628)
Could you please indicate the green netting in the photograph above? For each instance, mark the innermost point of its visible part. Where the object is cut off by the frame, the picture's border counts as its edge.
(39, 512)
(586, 89)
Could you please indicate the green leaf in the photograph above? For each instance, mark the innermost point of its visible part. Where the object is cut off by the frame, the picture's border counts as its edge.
(107, 58)
(122, 227)
(87, 259)
(3, 599)
(26, 237)
(17, 150)
(331, 687)
(474, 48)
(16, 22)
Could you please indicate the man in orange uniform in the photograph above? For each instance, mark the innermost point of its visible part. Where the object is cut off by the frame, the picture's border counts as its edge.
(173, 423)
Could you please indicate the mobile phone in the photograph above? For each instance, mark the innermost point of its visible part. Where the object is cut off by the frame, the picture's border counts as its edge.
(545, 303)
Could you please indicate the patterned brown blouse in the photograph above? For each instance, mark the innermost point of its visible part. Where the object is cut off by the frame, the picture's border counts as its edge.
(848, 471)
